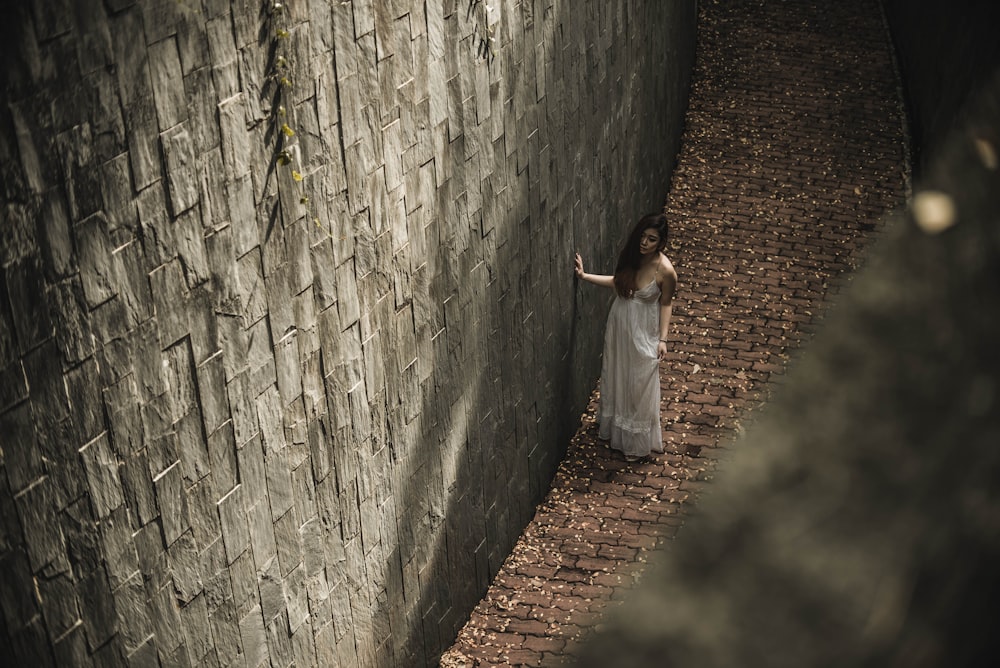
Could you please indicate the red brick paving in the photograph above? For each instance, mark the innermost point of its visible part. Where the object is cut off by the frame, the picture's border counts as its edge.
(793, 150)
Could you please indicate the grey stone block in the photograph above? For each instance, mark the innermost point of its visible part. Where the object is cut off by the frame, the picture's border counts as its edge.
(87, 415)
(18, 596)
(148, 361)
(348, 305)
(361, 419)
(192, 41)
(242, 407)
(234, 136)
(120, 557)
(226, 638)
(144, 655)
(356, 176)
(197, 631)
(132, 282)
(232, 340)
(101, 466)
(211, 383)
(243, 215)
(37, 173)
(243, 575)
(252, 288)
(340, 229)
(165, 616)
(82, 188)
(269, 415)
(261, 378)
(350, 507)
(213, 196)
(272, 596)
(296, 435)
(22, 458)
(143, 144)
(321, 254)
(168, 83)
(98, 611)
(205, 526)
(232, 516)
(169, 299)
(159, 434)
(160, 19)
(31, 643)
(155, 224)
(262, 539)
(138, 488)
(304, 646)
(296, 601)
(121, 407)
(60, 602)
(152, 555)
(93, 44)
(288, 368)
(107, 126)
(313, 551)
(286, 531)
(172, 502)
(110, 327)
(192, 448)
(185, 564)
(37, 508)
(300, 268)
(279, 482)
(313, 391)
(222, 263)
(279, 644)
(222, 50)
(190, 243)
(304, 488)
(29, 308)
(71, 648)
(252, 74)
(279, 303)
(54, 228)
(182, 167)
(245, 23)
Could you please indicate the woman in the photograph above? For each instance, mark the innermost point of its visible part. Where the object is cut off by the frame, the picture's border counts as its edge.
(635, 339)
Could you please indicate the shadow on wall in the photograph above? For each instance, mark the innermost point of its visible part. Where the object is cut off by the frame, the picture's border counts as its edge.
(472, 453)
(858, 521)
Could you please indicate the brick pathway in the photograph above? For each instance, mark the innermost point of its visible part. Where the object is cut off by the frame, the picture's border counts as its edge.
(793, 150)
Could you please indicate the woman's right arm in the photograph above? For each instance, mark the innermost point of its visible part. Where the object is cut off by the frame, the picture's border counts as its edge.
(596, 279)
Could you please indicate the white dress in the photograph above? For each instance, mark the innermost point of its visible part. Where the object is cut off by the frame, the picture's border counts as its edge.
(629, 410)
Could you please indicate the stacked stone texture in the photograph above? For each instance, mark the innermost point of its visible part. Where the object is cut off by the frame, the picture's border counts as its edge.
(794, 149)
(236, 435)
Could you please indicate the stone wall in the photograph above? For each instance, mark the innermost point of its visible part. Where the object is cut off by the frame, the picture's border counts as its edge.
(289, 343)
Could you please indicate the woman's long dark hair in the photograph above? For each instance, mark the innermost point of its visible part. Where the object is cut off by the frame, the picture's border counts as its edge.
(630, 257)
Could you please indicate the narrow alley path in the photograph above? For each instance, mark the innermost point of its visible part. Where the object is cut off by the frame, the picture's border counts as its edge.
(794, 149)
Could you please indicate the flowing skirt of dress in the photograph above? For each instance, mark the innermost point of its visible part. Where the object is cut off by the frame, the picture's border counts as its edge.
(629, 410)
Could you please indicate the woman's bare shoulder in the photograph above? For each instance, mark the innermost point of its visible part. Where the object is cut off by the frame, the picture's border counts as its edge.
(667, 267)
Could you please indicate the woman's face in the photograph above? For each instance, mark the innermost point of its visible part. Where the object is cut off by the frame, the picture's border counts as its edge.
(649, 242)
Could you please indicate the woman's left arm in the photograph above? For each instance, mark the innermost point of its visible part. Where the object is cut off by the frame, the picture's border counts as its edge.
(667, 288)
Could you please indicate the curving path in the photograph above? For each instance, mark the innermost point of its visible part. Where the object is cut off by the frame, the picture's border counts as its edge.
(794, 149)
